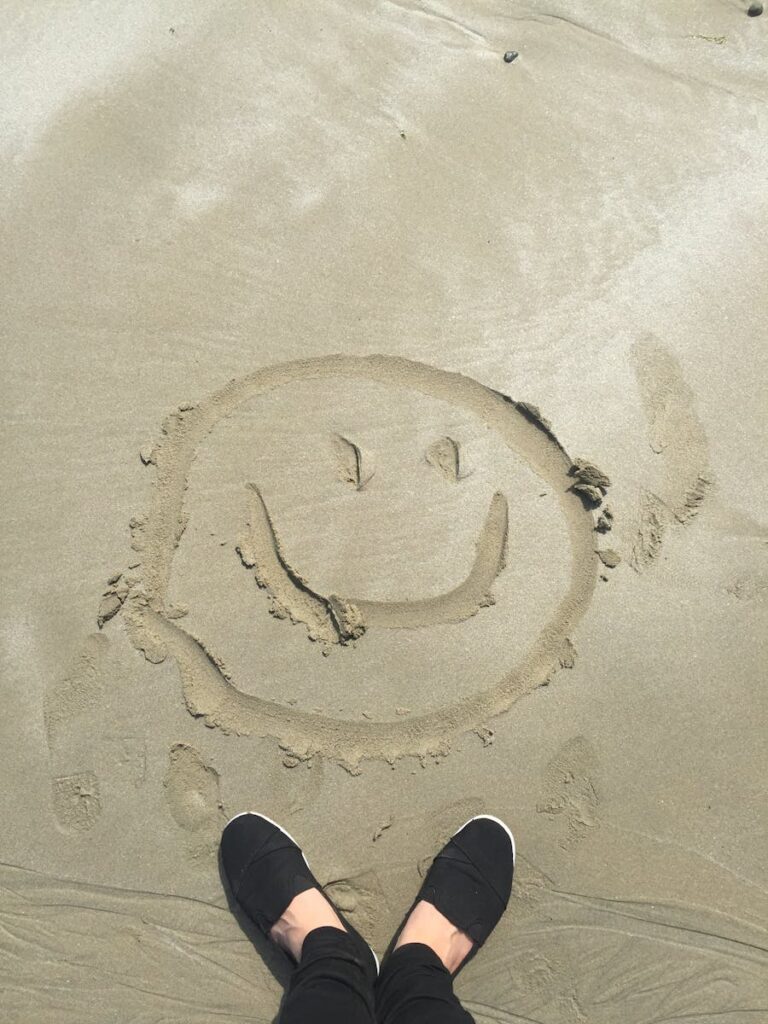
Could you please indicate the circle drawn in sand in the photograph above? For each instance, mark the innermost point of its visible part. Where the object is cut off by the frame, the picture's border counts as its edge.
(209, 691)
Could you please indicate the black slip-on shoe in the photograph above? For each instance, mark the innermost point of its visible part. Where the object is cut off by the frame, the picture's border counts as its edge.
(470, 880)
(265, 869)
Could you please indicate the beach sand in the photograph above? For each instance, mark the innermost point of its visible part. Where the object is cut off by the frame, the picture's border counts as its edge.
(384, 445)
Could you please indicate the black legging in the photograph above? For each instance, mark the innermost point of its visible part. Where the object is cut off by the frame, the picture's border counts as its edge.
(330, 986)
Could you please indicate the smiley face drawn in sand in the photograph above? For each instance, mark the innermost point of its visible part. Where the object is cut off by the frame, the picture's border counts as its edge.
(332, 619)
(222, 699)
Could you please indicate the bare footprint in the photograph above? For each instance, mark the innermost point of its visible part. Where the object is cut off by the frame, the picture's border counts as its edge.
(677, 437)
(70, 708)
(571, 797)
(194, 800)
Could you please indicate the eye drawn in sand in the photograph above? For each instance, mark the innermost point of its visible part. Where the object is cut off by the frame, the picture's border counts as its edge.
(443, 454)
(571, 797)
(677, 437)
(332, 619)
(352, 465)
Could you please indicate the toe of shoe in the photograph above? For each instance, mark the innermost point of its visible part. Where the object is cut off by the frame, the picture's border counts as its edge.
(488, 843)
(243, 837)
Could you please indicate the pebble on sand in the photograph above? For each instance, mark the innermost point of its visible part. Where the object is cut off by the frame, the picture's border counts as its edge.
(510, 55)
(754, 11)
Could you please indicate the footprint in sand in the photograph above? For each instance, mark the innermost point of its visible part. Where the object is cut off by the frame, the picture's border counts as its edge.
(76, 801)
(193, 797)
(71, 707)
(570, 795)
(361, 898)
(530, 888)
(83, 750)
(677, 437)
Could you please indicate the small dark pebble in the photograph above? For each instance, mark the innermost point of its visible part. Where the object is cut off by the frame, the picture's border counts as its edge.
(754, 11)
(511, 55)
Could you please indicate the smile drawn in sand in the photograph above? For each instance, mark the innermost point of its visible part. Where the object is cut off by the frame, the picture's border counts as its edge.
(338, 620)
(209, 691)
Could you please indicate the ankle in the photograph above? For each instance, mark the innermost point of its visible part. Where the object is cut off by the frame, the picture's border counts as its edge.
(306, 912)
(427, 926)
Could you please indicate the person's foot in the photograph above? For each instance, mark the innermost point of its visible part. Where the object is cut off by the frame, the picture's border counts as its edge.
(269, 877)
(427, 925)
(465, 893)
(307, 911)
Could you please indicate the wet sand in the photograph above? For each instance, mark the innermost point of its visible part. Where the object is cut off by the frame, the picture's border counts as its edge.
(384, 446)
